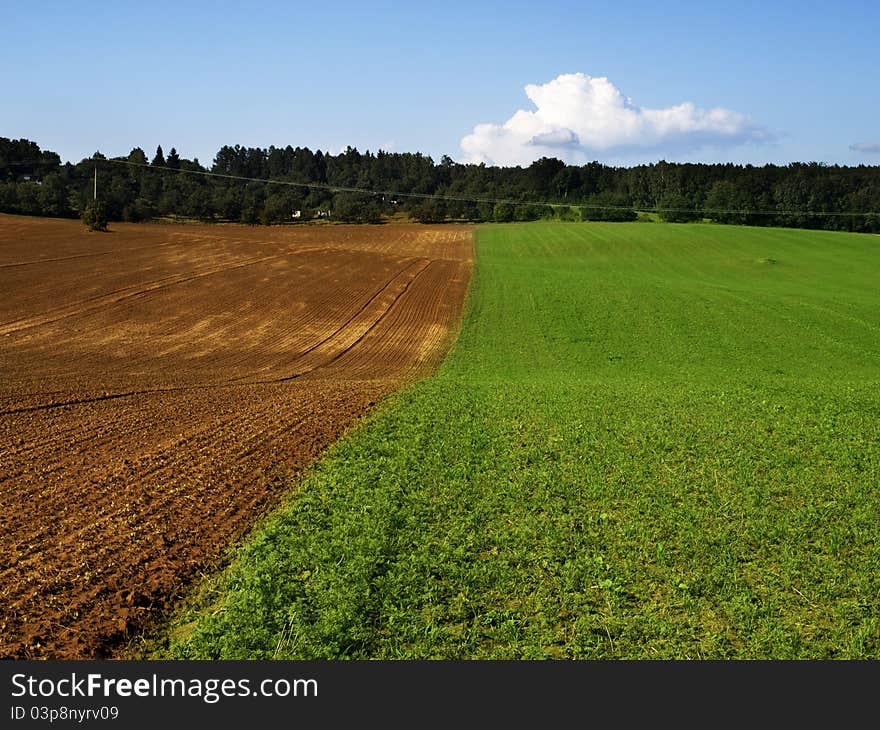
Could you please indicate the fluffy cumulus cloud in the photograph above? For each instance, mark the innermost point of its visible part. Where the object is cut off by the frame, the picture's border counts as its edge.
(578, 118)
(866, 148)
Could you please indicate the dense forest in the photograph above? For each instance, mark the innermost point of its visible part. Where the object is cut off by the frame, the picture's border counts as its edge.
(322, 185)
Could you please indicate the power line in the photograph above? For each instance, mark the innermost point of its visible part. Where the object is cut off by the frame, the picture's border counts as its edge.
(335, 188)
(460, 199)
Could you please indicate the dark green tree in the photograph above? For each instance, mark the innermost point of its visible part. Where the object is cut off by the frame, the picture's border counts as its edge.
(608, 206)
(675, 208)
(429, 211)
(356, 208)
(94, 216)
(137, 156)
(503, 212)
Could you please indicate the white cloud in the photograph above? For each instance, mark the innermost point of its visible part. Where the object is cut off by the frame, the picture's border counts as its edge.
(870, 148)
(578, 118)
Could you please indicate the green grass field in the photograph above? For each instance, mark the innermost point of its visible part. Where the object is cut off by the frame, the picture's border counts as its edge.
(650, 441)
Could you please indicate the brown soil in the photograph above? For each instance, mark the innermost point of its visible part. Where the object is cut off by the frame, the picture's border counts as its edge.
(160, 383)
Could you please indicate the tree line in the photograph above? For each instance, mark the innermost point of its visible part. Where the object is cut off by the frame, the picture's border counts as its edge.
(138, 188)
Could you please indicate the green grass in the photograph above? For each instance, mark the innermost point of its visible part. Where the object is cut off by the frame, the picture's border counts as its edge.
(649, 442)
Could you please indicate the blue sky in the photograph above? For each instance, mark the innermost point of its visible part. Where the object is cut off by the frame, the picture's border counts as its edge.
(797, 81)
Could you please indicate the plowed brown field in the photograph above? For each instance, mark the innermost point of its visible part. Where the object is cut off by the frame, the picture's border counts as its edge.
(159, 383)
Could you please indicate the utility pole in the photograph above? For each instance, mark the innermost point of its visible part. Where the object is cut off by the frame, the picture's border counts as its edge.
(96, 182)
